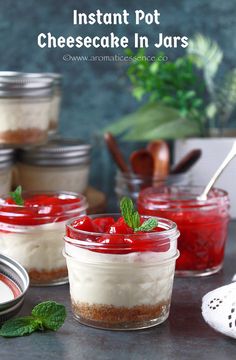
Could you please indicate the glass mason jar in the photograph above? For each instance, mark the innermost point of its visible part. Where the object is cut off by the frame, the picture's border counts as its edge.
(130, 184)
(203, 225)
(6, 166)
(61, 163)
(121, 287)
(24, 109)
(33, 235)
(56, 102)
(55, 99)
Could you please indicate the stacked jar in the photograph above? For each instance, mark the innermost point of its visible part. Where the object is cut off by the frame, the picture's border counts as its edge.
(24, 109)
(56, 96)
(63, 164)
(6, 166)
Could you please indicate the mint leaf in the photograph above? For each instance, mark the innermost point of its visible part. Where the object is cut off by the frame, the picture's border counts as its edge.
(136, 219)
(17, 196)
(148, 225)
(19, 327)
(51, 314)
(46, 315)
(127, 210)
(130, 215)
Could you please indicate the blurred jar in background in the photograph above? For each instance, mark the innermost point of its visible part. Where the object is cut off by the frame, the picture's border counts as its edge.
(130, 184)
(59, 165)
(6, 165)
(24, 109)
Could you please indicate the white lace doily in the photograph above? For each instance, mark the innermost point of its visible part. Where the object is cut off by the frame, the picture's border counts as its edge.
(219, 309)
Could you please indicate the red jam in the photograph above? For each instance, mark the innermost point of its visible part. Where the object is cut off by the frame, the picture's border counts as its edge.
(39, 209)
(202, 226)
(116, 235)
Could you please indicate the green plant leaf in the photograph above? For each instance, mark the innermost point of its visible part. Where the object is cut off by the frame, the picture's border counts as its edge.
(207, 55)
(51, 314)
(19, 327)
(155, 121)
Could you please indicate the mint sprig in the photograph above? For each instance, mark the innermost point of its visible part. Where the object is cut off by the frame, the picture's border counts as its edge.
(17, 196)
(47, 315)
(132, 217)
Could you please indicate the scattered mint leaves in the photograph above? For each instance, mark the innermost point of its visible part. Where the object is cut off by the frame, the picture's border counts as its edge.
(19, 327)
(132, 217)
(51, 314)
(47, 315)
(17, 196)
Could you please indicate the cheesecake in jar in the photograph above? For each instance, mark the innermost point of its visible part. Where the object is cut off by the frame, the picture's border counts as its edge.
(31, 232)
(55, 105)
(24, 109)
(7, 159)
(65, 163)
(120, 279)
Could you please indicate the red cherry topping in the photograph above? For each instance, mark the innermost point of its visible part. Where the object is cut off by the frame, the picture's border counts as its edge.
(104, 223)
(120, 227)
(115, 244)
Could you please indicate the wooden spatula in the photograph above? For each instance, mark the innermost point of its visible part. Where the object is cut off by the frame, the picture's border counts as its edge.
(161, 156)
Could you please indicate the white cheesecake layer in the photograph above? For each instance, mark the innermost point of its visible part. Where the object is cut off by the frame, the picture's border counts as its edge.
(141, 278)
(24, 114)
(55, 109)
(36, 247)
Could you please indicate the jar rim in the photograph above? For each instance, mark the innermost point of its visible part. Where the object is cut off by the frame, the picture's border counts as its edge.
(130, 176)
(181, 197)
(81, 200)
(172, 231)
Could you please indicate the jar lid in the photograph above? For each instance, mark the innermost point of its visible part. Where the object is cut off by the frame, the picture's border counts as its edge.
(10, 73)
(14, 283)
(57, 152)
(19, 85)
(55, 77)
(6, 157)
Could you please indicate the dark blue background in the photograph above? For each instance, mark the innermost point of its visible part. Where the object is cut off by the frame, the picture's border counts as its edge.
(96, 93)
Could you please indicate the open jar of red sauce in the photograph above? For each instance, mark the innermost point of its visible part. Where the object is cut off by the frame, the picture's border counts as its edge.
(202, 224)
(32, 233)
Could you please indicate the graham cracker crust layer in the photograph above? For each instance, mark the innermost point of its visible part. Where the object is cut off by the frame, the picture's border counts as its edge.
(20, 136)
(113, 315)
(44, 277)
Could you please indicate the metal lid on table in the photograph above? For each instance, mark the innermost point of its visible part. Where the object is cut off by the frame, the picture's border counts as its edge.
(14, 283)
(57, 152)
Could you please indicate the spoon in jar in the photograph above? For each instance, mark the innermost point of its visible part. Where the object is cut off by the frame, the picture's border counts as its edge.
(229, 157)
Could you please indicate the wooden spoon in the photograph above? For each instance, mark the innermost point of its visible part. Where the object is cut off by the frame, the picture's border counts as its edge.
(142, 162)
(186, 162)
(115, 152)
(161, 156)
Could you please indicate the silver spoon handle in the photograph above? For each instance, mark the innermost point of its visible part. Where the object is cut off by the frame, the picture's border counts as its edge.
(226, 161)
